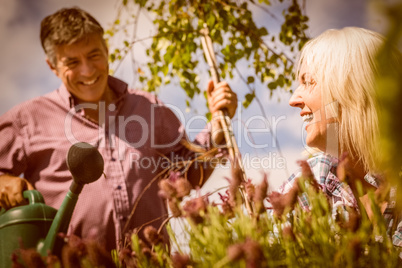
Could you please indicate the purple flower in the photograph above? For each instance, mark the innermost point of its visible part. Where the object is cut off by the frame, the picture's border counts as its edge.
(226, 206)
(235, 252)
(282, 202)
(308, 175)
(250, 189)
(174, 207)
(152, 236)
(30, 257)
(260, 195)
(166, 189)
(195, 208)
(183, 187)
(181, 260)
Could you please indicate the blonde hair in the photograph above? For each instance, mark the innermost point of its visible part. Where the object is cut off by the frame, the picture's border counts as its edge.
(343, 64)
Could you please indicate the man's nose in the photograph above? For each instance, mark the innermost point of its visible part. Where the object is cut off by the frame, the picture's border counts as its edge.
(87, 68)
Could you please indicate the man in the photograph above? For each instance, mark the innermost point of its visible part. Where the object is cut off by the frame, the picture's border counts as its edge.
(132, 130)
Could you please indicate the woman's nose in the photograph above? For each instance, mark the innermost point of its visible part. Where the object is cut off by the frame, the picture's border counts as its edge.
(296, 100)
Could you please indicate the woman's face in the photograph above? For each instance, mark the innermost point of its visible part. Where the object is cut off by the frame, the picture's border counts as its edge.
(308, 98)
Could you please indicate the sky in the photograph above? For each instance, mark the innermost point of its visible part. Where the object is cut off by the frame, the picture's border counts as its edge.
(25, 75)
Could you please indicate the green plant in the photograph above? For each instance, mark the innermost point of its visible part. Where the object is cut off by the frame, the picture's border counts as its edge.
(175, 51)
(389, 92)
(224, 235)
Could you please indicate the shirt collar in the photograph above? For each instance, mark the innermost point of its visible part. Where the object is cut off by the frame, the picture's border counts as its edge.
(330, 174)
(372, 180)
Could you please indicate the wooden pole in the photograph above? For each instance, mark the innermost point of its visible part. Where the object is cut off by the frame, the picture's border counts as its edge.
(223, 116)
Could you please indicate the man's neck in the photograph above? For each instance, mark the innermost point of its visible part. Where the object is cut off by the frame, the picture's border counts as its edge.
(93, 114)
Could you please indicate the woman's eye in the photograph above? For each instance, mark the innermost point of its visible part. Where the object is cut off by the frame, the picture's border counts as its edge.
(309, 83)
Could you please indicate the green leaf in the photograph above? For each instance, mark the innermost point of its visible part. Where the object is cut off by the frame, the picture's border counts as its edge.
(281, 81)
(208, 115)
(263, 31)
(250, 79)
(272, 85)
(165, 69)
(248, 99)
(211, 20)
(112, 57)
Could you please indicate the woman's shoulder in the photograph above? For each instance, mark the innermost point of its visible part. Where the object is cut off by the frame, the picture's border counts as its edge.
(321, 165)
(322, 159)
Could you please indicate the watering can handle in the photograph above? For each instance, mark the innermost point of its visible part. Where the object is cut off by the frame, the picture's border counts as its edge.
(33, 196)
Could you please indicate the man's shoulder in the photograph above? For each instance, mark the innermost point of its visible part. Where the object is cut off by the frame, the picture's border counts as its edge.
(31, 103)
(122, 89)
(34, 106)
(145, 95)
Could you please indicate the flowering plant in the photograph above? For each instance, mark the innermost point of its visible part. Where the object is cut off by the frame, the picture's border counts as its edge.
(285, 235)
(279, 233)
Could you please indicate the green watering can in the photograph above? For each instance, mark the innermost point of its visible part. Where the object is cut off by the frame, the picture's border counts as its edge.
(36, 225)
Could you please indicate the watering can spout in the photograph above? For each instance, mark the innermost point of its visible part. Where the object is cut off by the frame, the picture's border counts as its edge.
(86, 165)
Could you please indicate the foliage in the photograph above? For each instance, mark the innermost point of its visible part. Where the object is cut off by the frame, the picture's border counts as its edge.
(389, 92)
(176, 49)
(75, 253)
(223, 235)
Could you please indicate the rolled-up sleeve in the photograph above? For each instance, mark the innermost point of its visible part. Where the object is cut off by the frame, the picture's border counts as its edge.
(12, 144)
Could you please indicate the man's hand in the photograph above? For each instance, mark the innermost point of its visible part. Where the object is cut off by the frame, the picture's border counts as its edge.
(220, 97)
(11, 189)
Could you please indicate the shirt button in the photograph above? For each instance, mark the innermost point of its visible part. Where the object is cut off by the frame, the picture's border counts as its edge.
(118, 187)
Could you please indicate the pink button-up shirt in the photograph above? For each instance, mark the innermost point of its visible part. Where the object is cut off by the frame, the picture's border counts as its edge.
(132, 135)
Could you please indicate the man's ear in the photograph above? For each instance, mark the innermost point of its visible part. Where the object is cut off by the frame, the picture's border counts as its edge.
(52, 67)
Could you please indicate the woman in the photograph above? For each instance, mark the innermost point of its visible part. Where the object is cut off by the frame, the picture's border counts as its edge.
(337, 97)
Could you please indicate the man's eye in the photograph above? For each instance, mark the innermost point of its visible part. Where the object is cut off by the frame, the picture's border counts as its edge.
(71, 64)
(94, 56)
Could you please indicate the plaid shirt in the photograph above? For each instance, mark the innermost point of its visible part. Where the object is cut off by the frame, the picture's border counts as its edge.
(139, 139)
(340, 194)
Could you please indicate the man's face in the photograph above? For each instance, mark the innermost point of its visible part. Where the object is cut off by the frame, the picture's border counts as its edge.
(83, 68)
